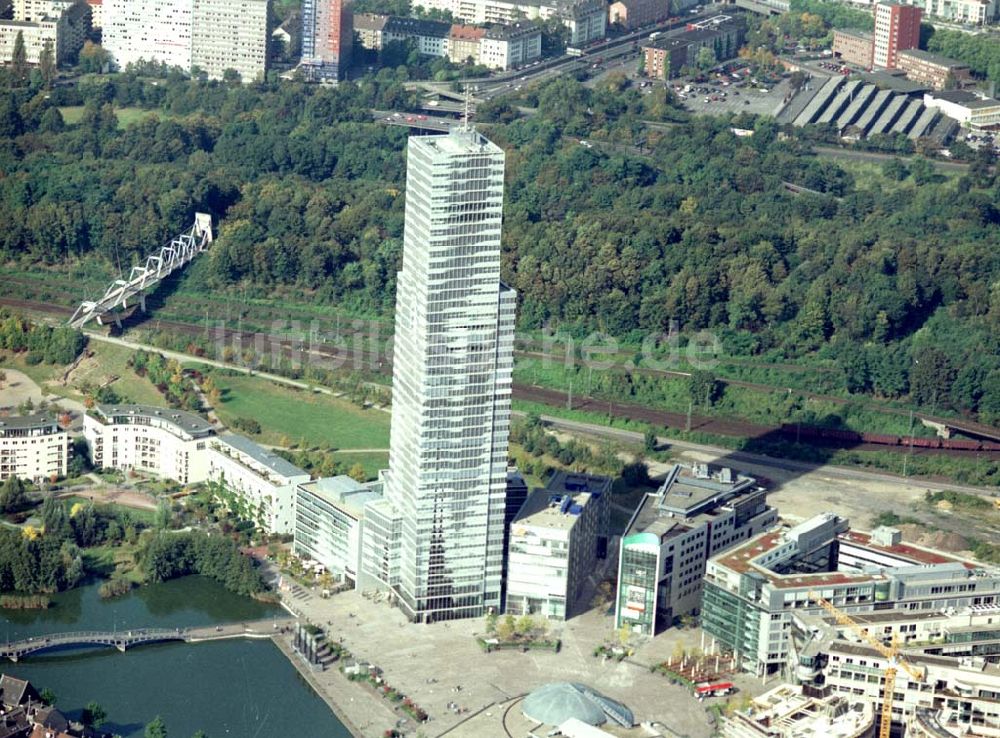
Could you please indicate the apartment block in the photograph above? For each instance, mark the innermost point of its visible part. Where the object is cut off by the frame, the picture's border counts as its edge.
(585, 19)
(509, 46)
(633, 14)
(231, 34)
(753, 592)
(327, 39)
(696, 513)
(168, 443)
(464, 43)
(61, 24)
(213, 35)
(329, 514)
(557, 542)
(934, 70)
(256, 480)
(368, 28)
(429, 36)
(897, 27)
(854, 47)
(32, 447)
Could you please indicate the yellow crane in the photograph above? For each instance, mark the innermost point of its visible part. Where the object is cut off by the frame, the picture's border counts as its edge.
(890, 653)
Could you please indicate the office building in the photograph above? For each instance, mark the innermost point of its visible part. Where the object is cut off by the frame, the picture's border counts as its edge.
(970, 110)
(155, 440)
(854, 47)
(557, 543)
(327, 39)
(788, 712)
(437, 537)
(259, 485)
(695, 514)
(586, 20)
(212, 35)
(329, 514)
(231, 34)
(32, 447)
(510, 46)
(664, 57)
(753, 592)
(934, 70)
(897, 27)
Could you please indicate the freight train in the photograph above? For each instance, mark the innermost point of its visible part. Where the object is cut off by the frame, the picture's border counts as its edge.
(838, 435)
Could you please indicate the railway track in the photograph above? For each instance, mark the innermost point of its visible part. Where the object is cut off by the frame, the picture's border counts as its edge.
(347, 355)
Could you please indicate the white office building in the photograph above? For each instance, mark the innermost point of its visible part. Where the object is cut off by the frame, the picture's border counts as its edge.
(329, 514)
(32, 447)
(168, 443)
(213, 35)
(261, 483)
(445, 486)
(557, 544)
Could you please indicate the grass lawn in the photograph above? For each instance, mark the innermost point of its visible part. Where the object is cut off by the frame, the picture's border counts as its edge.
(109, 361)
(39, 373)
(72, 115)
(371, 462)
(288, 415)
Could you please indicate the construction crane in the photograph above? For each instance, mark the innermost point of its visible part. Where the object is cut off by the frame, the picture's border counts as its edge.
(890, 653)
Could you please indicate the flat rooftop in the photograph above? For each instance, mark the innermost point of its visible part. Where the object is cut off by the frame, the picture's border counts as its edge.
(932, 58)
(21, 422)
(459, 140)
(562, 501)
(689, 490)
(194, 425)
(897, 82)
(343, 492)
(264, 456)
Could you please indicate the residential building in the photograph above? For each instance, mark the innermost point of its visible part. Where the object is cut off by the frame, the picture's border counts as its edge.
(438, 534)
(212, 35)
(632, 14)
(368, 28)
(231, 34)
(696, 513)
(969, 109)
(557, 542)
(936, 71)
(61, 24)
(148, 30)
(788, 712)
(897, 27)
(972, 12)
(155, 440)
(463, 43)
(666, 55)
(753, 592)
(429, 36)
(32, 447)
(257, 482)
(585, 19)
(510, 46)
(854, 47)
(327, 39)
(329, 513)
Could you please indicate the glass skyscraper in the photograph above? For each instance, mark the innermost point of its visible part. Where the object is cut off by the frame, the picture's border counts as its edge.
(454, 340)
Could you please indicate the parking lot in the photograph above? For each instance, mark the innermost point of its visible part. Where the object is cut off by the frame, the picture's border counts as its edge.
(712, 98)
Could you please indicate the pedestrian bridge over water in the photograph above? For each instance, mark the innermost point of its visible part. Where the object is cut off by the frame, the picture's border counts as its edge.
(125, 639)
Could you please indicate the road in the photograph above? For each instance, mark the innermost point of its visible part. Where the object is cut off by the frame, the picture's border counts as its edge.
(749, 460)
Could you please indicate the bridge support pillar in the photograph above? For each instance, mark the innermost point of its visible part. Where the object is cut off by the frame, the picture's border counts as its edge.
(118, 320)
(120, 647)
(100, 320)
(142, 301)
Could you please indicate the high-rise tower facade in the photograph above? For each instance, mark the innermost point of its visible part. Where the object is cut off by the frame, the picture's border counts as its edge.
(453, 357)
(327, 39)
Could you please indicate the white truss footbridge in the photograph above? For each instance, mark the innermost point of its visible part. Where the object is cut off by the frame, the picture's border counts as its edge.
(158, 266)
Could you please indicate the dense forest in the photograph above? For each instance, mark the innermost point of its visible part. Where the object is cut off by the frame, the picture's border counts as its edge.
(686, 222)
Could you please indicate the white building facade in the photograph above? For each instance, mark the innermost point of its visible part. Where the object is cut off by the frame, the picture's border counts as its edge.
(506, 47)
(168, 443)
(586, 20)
(32, 447)
(213, 35)
(261, 482)
(447, 475)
